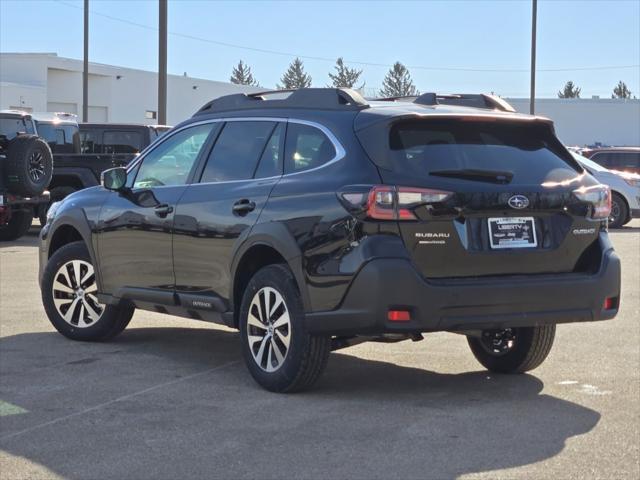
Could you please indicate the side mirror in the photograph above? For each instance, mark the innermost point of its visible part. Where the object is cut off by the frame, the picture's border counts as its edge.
(114, 179)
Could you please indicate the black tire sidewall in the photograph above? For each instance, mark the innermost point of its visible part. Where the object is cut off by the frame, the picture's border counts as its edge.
(104, 327)
(281, 279)
(17, 165)
(622, 208)
(18, 225)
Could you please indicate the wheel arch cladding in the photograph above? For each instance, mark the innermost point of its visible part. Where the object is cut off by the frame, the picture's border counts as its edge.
(64, 235)
(255, 254)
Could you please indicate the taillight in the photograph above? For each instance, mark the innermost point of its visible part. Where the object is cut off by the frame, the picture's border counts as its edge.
(389, 202)
(600, 198)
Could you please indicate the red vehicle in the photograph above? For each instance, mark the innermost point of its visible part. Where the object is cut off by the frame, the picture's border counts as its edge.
(625, 159)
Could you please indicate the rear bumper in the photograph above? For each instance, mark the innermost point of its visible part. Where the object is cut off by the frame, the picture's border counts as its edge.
(469, 304)
(9, 200)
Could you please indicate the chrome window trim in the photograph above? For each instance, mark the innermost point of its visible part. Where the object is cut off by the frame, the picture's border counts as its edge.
(340, 151)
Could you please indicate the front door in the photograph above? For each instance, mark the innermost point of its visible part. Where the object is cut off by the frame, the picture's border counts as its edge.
(217, 212)
(135, 227)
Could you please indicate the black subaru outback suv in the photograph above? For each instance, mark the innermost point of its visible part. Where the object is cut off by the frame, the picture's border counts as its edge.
(313, 220)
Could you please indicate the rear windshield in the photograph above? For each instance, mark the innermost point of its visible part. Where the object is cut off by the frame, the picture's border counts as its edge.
(516, 152)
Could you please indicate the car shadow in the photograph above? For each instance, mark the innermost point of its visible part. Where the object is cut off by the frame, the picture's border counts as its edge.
(187, 408)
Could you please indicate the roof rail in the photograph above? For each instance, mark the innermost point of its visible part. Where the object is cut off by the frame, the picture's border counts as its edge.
(475, 100)
(318, 98)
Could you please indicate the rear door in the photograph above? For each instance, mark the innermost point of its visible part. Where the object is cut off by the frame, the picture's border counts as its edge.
(216, 213)
(482, 196)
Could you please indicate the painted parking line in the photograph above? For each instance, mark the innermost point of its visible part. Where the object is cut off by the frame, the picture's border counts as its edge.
(7, 409)
(115, 400)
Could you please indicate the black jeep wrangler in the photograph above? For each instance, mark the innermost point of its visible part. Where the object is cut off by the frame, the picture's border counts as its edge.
(320, 220)
(25, 171)
(83, 151)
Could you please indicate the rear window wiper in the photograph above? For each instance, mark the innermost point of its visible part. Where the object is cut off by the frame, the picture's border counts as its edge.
(490, 176)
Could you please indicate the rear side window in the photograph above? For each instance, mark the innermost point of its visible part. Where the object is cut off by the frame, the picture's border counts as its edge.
(237, 151)
(306, 147)
(271, 161)
(122, 142)
(618, 160)
(522, 153)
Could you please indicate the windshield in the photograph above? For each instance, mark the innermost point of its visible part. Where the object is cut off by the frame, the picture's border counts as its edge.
(513, 152)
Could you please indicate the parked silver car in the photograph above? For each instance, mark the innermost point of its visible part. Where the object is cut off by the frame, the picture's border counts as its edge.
(625, 191)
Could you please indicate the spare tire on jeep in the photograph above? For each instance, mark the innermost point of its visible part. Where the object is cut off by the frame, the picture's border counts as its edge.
(29, 165)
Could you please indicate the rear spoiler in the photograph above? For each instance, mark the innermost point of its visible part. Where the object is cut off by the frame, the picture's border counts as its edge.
(474, 100)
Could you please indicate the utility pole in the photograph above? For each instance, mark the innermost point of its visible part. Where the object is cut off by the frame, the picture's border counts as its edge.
(85, 66)
(534, 20)
(162, 63)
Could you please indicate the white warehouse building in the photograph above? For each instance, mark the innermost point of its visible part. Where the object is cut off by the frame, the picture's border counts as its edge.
(45, 82)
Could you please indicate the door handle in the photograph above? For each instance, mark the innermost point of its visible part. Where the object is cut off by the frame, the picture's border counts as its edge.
(163, 210)
(244, 206)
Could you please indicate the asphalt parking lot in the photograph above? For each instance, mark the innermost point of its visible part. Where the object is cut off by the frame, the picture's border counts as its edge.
(170, 398)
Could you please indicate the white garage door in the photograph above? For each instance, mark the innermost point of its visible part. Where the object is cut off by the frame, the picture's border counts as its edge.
(98, 114)
(62, 107)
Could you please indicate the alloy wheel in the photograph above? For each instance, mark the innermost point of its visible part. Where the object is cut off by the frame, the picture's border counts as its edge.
(74, 294)
(498, 342)
(615, 212)
(36, 166)
(268, 329)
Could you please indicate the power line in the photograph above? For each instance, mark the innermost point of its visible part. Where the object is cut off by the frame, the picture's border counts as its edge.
(352, 62)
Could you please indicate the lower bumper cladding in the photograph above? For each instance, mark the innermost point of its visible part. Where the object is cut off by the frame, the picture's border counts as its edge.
(389, 295)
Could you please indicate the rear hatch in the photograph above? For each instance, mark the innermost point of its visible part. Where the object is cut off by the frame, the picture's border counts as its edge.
(480, 195)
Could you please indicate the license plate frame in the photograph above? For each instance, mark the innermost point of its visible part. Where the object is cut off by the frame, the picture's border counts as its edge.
(516, 232)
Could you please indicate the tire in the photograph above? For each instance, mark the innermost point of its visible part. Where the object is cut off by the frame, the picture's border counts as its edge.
(306, 356)
(531, 345)
(106, 322)
(17, 226)
(619, 211)
(29, 165)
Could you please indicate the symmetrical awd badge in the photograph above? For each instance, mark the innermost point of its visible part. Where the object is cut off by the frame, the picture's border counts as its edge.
(519, 202)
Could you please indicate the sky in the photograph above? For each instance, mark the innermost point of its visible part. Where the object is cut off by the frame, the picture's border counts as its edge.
(448, 46)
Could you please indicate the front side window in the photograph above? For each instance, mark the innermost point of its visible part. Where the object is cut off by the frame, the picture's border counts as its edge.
(237, 151)
(122, 142)
(306, 147)
(90, 141)
(171, 162)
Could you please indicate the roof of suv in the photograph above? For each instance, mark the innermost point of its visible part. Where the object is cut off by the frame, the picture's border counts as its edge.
(368, 111)
(15, 114)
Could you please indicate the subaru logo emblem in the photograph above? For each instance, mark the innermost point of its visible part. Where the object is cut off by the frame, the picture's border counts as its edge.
(519, 202)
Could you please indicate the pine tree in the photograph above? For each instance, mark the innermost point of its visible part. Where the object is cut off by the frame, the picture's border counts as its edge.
(621, 91)
(295, 77)
(570, 91)
(242, 75)
(344, 77)
(398, 83)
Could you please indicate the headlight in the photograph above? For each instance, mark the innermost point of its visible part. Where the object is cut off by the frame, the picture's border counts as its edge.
(53, 208)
